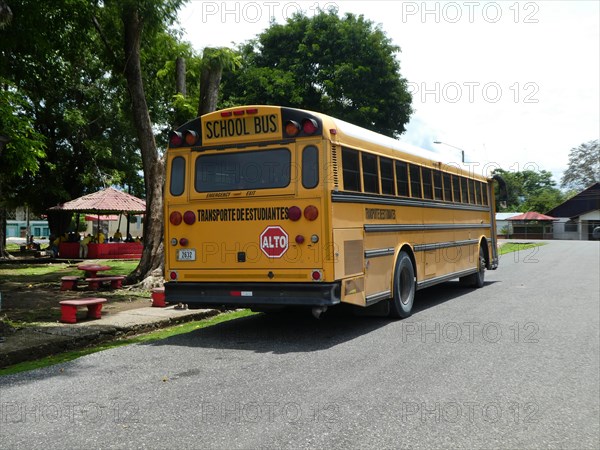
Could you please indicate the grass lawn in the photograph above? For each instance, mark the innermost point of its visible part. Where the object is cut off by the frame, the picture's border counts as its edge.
(31, 292)
(510, 247)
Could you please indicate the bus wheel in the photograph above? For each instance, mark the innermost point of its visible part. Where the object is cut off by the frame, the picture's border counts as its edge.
(404, 287)
(477, 279)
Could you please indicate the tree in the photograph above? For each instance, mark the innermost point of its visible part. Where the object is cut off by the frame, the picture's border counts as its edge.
(90, 73)
(529, 190)
(584, 166)
(214, 61)
(49, 54)
(21, 147)
(345, 67)
(140, 20)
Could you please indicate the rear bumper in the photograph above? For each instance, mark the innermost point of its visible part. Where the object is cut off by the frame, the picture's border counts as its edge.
(246, 295)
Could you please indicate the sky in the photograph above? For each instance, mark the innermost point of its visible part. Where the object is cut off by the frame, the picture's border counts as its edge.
(513, 84)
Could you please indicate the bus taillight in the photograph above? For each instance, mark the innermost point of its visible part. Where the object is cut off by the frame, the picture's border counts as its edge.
(294, 213)
(299, 239)
(175, 139)
(189, 217)
(183, 242)
(175, 218)
(309, 126)
(311, 212)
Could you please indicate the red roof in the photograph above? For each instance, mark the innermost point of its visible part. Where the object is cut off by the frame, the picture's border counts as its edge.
(531, 215)
(109, 200)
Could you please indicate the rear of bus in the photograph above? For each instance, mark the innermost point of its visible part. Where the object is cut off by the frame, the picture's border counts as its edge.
(246, 210)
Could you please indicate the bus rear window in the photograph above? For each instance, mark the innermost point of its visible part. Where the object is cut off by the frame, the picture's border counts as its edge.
(177, 185)
(264, 169)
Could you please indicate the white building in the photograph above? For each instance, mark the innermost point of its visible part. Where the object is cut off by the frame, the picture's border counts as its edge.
(577, 217)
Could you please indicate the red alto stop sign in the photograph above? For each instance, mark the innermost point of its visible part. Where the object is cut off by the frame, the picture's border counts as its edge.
(274, 241)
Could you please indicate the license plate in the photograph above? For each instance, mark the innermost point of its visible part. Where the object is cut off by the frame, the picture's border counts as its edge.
(188, 254)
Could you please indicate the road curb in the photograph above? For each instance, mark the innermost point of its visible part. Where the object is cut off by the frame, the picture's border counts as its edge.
(31, 343)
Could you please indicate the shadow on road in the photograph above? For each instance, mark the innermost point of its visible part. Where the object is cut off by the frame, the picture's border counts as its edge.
(298, 331)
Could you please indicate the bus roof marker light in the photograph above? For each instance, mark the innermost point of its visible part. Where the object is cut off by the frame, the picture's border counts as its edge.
(292, 128)
(238, 112)
(333, 131)
(189, 217)
(252, 111)
(309, 126)
(175, 139)
(226, 114)
(294, 213)
(191, 137)
(311, 212)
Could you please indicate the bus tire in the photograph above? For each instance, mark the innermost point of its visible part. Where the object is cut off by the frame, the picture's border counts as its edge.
(477, 279)
(403, 295)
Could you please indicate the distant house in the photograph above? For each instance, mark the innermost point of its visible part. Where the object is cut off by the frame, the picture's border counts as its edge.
(17, 221)
(503, 225)
(577, 217)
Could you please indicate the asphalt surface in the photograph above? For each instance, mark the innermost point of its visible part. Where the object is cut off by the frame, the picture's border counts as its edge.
(512, 365)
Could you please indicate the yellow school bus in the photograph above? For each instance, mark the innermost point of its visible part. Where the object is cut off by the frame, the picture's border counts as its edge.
(269, 206)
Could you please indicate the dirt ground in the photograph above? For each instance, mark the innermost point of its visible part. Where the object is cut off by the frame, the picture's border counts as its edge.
(35, 298)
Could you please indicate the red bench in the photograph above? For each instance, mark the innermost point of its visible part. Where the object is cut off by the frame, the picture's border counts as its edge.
(69, 283)
(68, 308)
(115, 282)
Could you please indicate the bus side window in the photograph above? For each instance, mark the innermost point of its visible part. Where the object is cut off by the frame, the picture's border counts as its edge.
(415, 181)
(485, 194)
(477, 193)
(471, 191)
(464, 190)
(456, 188)
(370, 174)
(386, 167)
(177, 185)
(402, 178)
(427, 188)
(438, 191)
(447, 188)
(310, 167)
(351, 170)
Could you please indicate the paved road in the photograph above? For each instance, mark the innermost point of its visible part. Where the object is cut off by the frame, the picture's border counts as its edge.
(512, 365)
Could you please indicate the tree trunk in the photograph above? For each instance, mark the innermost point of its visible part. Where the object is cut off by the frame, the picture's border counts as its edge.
(210, 79)
(3, 253)
(152, 256)
(180, 76)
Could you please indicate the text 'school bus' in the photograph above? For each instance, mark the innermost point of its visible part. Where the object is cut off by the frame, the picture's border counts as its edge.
(272, 206)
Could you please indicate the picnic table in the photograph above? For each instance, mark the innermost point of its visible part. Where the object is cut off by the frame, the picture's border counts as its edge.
(92, 269)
